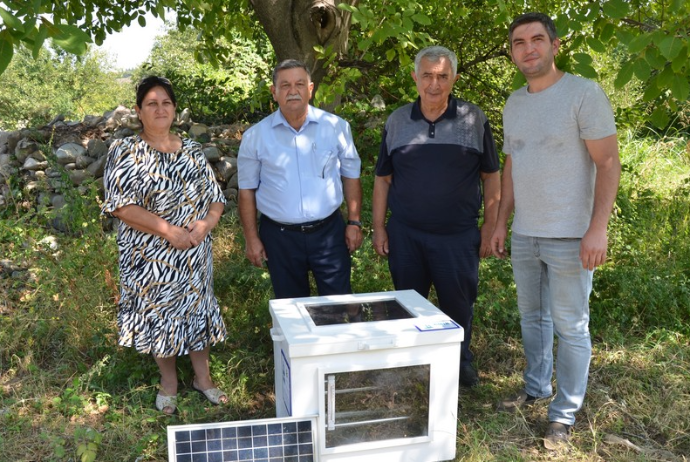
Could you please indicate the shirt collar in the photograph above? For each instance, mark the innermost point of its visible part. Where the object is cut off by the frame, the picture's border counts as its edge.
(450, 113)
(279, 118)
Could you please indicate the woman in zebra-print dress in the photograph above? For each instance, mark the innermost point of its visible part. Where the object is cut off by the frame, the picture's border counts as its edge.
(165, 195)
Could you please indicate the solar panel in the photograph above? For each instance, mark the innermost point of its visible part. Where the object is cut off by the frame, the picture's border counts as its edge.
(286, 439)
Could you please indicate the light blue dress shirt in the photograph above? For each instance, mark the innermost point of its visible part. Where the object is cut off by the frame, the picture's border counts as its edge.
(297, 173)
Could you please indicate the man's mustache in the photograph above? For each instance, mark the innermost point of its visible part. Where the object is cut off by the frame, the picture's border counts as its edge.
(294, 97)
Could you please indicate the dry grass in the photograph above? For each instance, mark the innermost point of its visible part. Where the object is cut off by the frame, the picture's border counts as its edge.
(64, 383)
(635, 409)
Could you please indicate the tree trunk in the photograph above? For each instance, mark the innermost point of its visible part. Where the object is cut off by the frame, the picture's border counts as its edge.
(294, 27)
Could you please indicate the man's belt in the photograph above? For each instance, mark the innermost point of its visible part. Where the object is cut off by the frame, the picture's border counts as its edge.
(308, 227)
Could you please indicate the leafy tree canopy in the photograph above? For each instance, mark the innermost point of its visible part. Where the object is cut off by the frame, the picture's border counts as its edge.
(214, 94)
(34, 91)
(649, 37)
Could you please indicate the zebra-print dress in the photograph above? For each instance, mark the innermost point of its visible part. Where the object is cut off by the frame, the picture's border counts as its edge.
(167, 306)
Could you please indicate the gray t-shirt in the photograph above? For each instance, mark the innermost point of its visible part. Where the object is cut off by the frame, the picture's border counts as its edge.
(553, 173)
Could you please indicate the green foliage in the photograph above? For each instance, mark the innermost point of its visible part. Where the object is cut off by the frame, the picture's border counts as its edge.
(70, 403)
(34, 91)
(72, 394)
(478, 34)
(88, 441)
(23, 231)
(652, 35)
(386, 36)
(215, 95)
(650, 41)
(648, 282)
(73, 24)
(6, 49)
(395, 24)
(655, 41)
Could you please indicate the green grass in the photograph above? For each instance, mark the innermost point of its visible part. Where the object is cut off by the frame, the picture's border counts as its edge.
(67, 392)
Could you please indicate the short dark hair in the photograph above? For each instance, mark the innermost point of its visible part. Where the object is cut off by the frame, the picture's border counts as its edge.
(289, 64)
(147, 83)
(533, 17)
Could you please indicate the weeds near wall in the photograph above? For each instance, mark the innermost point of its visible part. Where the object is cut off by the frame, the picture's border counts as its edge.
(67, 392)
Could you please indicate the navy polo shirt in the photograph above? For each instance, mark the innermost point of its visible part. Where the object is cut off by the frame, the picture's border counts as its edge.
(435, 165)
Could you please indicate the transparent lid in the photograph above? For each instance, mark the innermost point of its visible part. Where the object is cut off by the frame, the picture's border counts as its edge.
(325, 314)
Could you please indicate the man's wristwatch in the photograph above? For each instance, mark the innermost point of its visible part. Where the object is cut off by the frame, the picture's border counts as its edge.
(355, 223)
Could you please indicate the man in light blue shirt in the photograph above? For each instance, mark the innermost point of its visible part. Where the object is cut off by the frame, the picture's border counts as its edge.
(296, 167)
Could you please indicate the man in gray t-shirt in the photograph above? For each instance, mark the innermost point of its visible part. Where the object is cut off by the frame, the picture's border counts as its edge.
(560, 176)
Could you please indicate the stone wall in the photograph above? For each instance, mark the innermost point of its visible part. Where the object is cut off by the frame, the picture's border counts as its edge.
(42, 162)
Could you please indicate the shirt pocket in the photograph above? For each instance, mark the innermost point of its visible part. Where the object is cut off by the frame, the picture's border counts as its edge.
(325, 161)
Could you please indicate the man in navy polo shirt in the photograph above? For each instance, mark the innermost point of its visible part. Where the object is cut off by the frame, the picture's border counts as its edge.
(436, 155)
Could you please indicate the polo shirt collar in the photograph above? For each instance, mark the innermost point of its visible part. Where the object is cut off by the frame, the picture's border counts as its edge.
(450, 113)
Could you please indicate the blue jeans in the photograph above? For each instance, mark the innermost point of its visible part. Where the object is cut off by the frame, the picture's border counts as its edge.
(553, 296)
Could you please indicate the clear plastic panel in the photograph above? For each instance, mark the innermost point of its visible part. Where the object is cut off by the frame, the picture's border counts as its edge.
(376, 405)
(343, 313)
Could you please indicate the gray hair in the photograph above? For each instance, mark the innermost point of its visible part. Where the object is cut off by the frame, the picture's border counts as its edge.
(435, 54)
(289, 64)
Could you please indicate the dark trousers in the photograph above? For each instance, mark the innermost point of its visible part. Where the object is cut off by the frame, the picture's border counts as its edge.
(450, 262)
(293, 253)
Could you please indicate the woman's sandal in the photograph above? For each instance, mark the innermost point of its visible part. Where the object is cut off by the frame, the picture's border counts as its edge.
(166, 402)
(212, 394)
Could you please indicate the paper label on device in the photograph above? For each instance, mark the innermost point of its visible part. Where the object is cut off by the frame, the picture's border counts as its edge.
(438, 325)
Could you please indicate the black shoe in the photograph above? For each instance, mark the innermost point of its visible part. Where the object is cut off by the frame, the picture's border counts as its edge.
(468, 376)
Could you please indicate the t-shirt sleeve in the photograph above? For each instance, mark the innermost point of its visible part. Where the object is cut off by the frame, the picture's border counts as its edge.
(595, 118)
(120, 179)
(506, 138)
